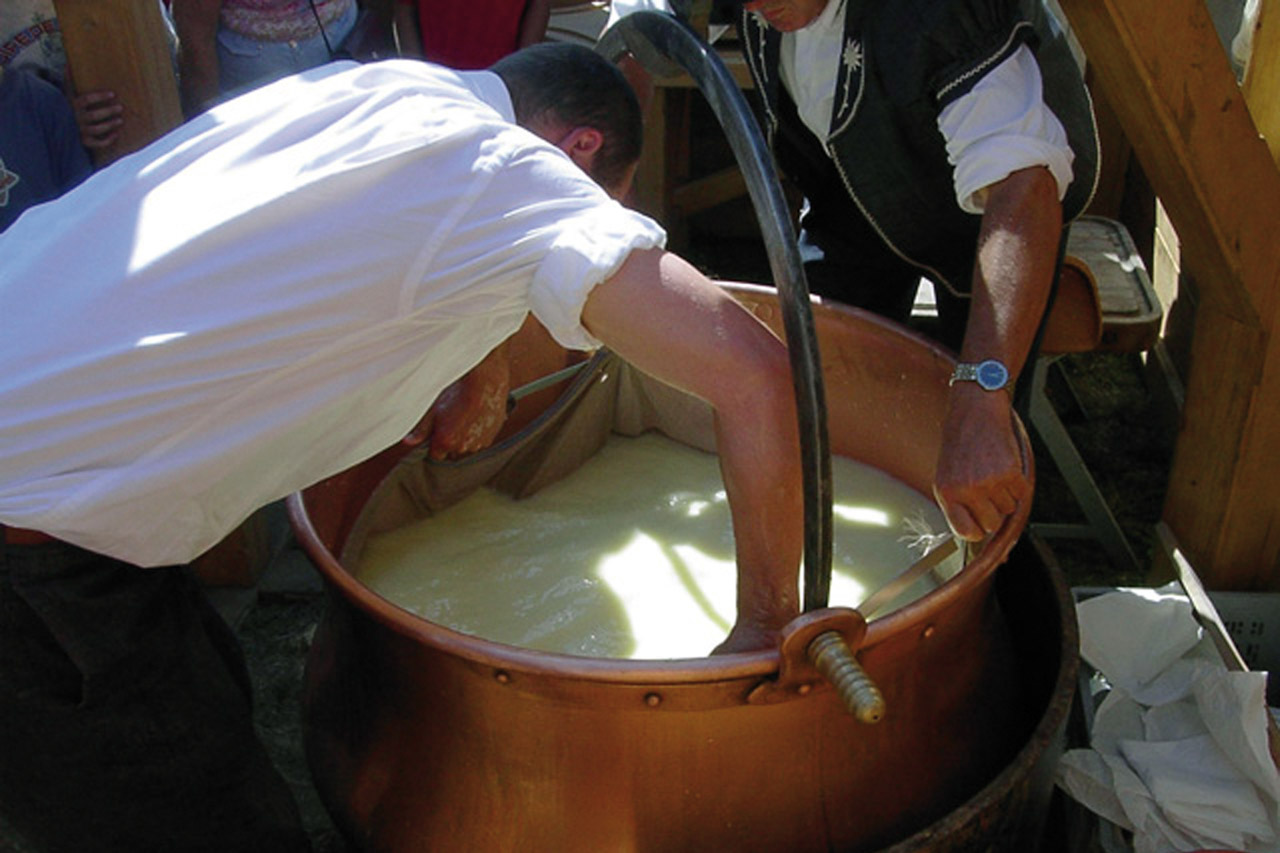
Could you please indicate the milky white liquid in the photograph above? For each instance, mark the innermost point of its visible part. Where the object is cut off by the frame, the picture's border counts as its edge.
(629, 557)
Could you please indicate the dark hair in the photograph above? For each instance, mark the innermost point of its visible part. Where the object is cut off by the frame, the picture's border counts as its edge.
(578, 87)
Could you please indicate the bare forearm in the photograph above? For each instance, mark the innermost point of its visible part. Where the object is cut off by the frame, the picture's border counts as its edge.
(666, 319)
(196, 24)
(533, 23)
(982, 477)
(759, 459)
(1017, 252)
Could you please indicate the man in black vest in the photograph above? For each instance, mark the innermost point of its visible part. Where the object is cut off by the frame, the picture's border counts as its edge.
(943, 139)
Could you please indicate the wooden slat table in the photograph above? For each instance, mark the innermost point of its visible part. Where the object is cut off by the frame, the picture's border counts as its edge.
(1131, 320)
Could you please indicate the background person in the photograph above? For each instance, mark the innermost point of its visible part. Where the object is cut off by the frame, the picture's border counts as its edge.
(943, 139)
(226, 47)
(40, 152)
(469, 35)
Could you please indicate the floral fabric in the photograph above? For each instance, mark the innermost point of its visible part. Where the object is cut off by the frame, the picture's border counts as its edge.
(280, 20)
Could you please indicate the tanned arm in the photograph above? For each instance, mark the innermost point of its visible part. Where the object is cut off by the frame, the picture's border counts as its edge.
(981, 477)
(667, 319)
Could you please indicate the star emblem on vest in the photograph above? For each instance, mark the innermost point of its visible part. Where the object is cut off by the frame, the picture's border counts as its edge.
(7, 180)
(851, 59)
(853, 54)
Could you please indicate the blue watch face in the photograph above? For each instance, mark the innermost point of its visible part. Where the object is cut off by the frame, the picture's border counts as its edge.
(992, 375)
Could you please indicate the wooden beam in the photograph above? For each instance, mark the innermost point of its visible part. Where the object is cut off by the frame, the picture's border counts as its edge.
(1220, 496)
(1168, 79)
(1236, 400)
(124, 46)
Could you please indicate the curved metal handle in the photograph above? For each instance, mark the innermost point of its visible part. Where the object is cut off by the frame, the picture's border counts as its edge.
(831, 656)
(664, 45)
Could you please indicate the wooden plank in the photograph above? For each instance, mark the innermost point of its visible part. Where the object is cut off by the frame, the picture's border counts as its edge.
(1262, 76)
(123, 45)
(1220, 496)
(1169, 81)
(708, 191)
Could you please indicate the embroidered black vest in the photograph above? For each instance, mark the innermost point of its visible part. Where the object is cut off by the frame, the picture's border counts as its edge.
(884, 158)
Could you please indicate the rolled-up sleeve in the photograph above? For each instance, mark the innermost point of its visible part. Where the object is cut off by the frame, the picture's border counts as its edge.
(588, 249)
(1003, 125)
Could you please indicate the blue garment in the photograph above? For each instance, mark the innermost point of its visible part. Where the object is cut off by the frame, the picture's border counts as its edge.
(246, 63)
(40, 152)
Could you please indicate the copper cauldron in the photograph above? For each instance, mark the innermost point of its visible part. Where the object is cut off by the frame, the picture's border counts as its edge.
(421, 738)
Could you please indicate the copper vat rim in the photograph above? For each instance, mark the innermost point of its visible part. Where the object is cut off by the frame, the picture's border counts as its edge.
(676, 671)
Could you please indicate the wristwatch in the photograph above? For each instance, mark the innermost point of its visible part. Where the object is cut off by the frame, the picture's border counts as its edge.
(990, 375)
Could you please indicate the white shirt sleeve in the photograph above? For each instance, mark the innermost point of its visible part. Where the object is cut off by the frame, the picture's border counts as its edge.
(588, 248)
(619, 9)
(1002, 125)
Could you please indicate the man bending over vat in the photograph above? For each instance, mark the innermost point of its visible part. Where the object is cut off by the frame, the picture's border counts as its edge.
(266, 296)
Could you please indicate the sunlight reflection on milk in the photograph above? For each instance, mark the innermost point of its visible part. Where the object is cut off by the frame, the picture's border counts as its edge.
(631, 556)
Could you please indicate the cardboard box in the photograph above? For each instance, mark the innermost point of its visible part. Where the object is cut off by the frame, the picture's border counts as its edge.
(1245, 628)
(1252, 621)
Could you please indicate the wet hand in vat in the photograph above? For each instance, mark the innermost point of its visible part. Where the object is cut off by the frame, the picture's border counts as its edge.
(467, 415)
(981, 476)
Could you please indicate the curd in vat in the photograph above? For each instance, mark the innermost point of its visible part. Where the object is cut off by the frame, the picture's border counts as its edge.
(631, 556)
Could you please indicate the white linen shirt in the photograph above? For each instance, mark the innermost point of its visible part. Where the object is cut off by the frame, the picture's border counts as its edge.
(276, 291)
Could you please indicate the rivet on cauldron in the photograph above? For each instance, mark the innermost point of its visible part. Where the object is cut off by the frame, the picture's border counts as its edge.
(653, 700)
(503, 676)
(928, 632)
(804, 689)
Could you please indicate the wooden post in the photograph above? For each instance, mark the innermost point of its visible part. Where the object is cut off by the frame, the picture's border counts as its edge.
(1168, 79)
(1262, 76)
(124, 46)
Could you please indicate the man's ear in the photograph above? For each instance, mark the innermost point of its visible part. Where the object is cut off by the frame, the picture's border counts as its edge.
(581, 144)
